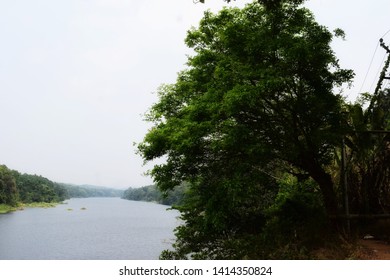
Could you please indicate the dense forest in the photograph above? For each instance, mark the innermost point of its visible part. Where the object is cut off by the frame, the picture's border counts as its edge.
(17, 188)
(274, 157)
(153, 194)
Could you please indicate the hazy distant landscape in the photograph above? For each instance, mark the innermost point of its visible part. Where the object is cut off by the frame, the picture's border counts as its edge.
(20, 189)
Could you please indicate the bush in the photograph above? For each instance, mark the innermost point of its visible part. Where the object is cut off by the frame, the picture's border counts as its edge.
(296, 222)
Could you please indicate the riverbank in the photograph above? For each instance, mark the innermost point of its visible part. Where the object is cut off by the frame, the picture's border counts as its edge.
(4, 208)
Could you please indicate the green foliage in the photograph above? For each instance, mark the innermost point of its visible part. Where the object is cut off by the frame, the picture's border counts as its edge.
(6, 208)
(296, 222)
(255, 81)
(16, 188)
(8, 190)
(34, 188)
(257, 98)
(151, 193)
(40, 204)
(223, 226)
(147, 193)
(368, 154)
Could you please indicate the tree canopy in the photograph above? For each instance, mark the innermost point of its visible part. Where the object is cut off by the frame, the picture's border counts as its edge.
(8, 191)
(16, 188)
(35, 188)
(256, 99)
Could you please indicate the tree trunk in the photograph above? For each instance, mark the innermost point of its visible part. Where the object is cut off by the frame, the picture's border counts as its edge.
(325, 183)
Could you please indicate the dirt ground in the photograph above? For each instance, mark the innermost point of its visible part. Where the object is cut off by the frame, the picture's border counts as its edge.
(375, 249)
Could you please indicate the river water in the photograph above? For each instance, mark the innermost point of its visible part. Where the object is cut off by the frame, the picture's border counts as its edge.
(88, 229)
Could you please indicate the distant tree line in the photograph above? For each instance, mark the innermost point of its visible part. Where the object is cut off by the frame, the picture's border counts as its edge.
(91, 191)
(153, 194)
(16, 188)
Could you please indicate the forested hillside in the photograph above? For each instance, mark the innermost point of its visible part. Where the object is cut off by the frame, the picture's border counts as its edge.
(8, 191)
(35, 188)
(17, 188)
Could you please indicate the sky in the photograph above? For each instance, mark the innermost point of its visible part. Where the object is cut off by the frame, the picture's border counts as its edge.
(76, 77)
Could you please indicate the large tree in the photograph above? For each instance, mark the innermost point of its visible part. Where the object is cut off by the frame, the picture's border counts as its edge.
(257, 95)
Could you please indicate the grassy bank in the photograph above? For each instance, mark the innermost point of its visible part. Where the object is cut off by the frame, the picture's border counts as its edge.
(4, 208)
(40, 204)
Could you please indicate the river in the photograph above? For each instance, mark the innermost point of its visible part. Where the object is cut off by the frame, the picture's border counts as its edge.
(88, 229)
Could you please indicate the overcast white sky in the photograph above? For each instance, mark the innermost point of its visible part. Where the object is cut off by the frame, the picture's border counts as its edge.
(77, 75)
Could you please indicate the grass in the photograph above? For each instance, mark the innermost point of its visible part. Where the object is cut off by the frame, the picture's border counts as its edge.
(4, 208)
(40, 204)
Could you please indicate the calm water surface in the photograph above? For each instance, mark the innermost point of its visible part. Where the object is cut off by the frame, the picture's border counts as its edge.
(108, 229)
